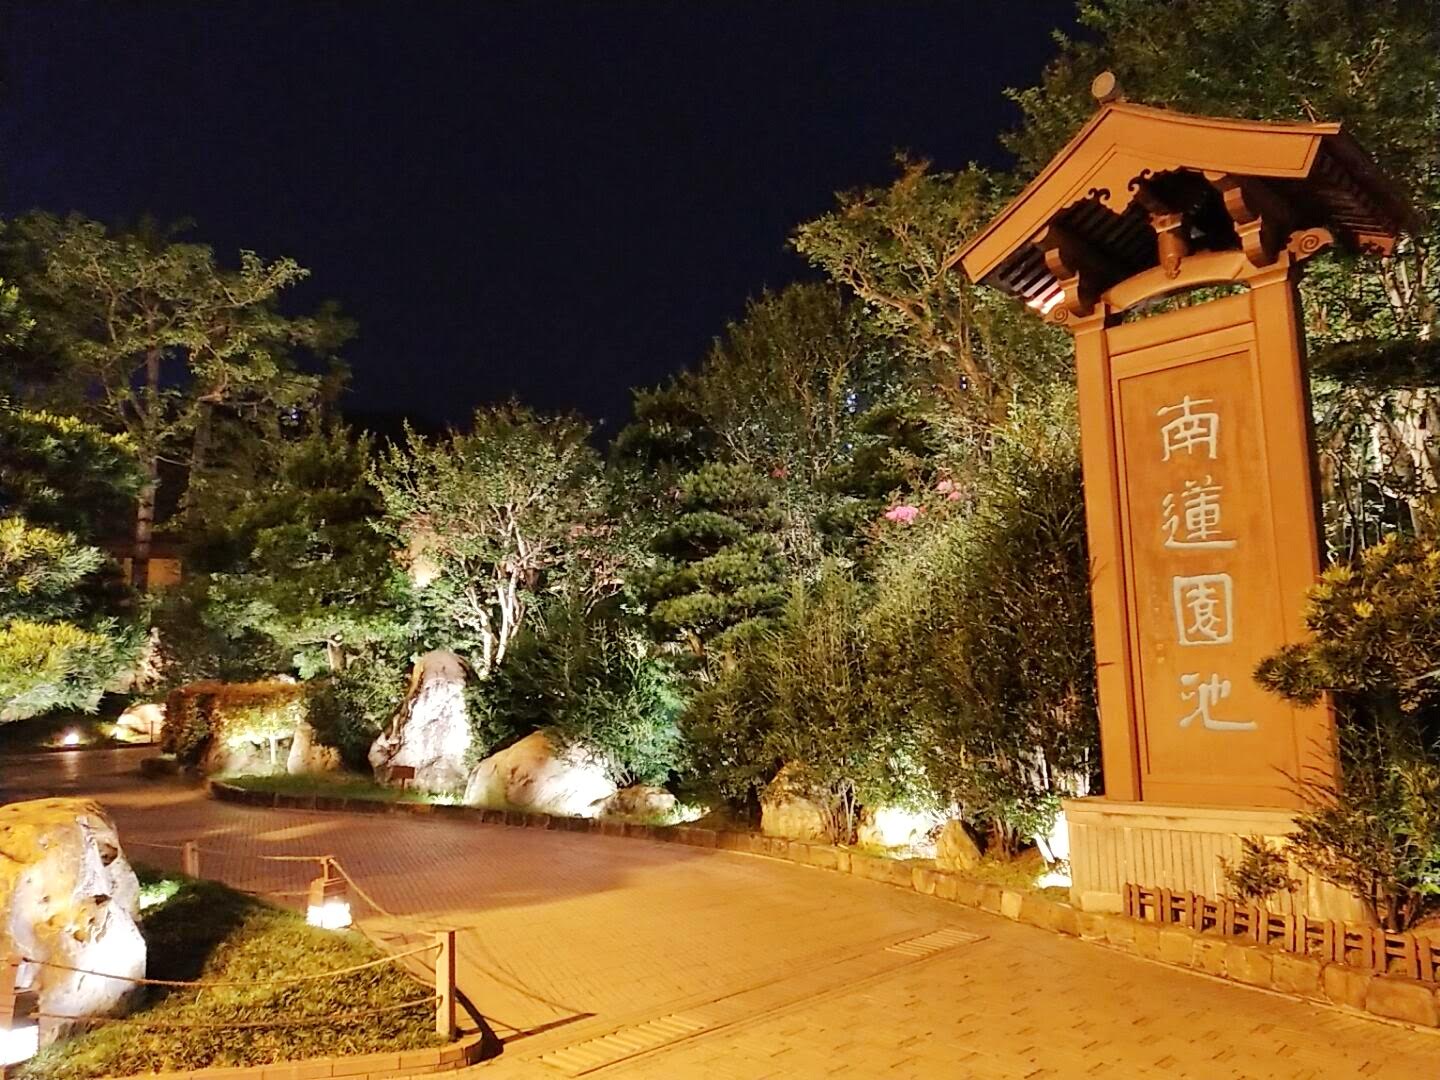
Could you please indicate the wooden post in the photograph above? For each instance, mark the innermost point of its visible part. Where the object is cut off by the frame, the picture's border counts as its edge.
(190, 859)
(445, 984)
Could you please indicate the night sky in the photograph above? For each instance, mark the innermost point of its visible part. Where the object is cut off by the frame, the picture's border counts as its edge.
(556, 201)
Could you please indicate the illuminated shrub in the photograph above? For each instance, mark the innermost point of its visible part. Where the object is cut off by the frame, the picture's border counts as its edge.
(202, 718)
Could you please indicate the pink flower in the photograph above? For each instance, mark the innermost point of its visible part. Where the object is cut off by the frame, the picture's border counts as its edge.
(903, 514)
(954, 496)
(945, 487)
(780, 472)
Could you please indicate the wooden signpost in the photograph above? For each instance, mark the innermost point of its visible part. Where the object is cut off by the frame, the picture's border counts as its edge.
(1201, 507)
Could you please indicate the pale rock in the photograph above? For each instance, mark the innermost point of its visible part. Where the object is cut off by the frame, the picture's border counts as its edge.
(308, 754)
(640, 801)
(787, 811)
(242, 755)
(955, 849)
(141, 723)
(534, 775)
(68, 897)
(431, 733)
(893, 827)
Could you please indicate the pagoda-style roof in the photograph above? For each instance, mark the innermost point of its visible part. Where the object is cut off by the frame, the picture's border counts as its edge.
(1139, 188)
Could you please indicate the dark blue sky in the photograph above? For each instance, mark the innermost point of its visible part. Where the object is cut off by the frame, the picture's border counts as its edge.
(556, 201)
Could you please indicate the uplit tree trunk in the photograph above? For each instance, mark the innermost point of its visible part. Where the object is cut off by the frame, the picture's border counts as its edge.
(144, 527)
(145, 506)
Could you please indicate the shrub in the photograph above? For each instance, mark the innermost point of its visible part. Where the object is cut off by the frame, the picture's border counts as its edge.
(1261, 872)
(45, 666)
(199, 713)
(796, 695)
(1374, 646)
(981, 636)
(349, 709)
(590, 680)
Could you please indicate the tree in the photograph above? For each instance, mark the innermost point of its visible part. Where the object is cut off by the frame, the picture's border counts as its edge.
(493, 516)
(64, 627)
(720, 572)
(157, 340)
(300, 559)
(897, 248)
(781, 393)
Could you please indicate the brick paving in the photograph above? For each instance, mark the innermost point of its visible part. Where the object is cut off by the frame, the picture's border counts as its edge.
(592, 955)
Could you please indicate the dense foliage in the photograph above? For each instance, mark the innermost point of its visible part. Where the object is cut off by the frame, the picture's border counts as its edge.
(66, 624)
(846, 548)
(197, 714)
(1374, 647)
(491, 518)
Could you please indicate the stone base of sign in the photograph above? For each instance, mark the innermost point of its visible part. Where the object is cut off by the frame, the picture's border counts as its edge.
(1181, 848)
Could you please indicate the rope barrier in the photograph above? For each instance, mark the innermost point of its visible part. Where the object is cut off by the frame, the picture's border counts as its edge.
(142, 1022)
(229, 854)
(240, 982)
(358, 890)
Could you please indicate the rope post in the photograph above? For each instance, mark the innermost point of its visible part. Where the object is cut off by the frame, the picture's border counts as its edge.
(190, 859)
(445, 984)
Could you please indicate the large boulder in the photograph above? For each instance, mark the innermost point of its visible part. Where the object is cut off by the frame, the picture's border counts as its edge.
(141, 723)
(640, 801)
(308, 754)
(894, 827)
(787, 810)
(431, 733)
(69, 898)
(955, 848)
(534, 774)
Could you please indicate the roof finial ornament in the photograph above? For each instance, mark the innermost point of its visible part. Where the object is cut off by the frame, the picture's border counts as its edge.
(1105, 88)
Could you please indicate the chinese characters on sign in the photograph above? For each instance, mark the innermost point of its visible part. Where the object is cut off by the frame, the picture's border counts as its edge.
(1192, 521)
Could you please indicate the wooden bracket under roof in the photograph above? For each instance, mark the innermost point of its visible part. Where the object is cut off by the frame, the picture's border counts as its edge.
(1141, 188)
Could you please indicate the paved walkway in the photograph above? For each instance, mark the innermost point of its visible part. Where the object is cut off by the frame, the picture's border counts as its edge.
(593, 955)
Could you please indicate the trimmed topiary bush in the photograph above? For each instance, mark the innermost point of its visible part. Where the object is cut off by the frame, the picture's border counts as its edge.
(197, 714)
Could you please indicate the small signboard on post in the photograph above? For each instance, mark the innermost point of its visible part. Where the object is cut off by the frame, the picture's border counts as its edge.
(404, 773)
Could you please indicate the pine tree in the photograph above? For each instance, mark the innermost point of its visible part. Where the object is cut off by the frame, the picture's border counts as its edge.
(720, 572)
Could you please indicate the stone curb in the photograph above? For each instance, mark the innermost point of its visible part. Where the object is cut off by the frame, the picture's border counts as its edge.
(1305, 977)
(438, 1059)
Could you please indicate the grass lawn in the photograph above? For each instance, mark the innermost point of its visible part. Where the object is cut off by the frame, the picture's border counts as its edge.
(202, 930)
(336, 785)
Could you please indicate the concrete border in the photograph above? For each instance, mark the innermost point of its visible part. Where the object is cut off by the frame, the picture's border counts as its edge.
(1307, 978)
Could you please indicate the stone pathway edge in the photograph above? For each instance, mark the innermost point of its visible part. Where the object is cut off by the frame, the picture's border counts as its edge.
(382, 1066)
(1413, 1003)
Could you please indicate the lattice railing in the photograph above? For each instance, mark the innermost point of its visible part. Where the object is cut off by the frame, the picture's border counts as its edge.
(1345, 943)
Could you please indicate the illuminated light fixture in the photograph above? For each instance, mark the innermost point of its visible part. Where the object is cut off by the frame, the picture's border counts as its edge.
(72, 738)
(19, 1022)
(329, 907)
